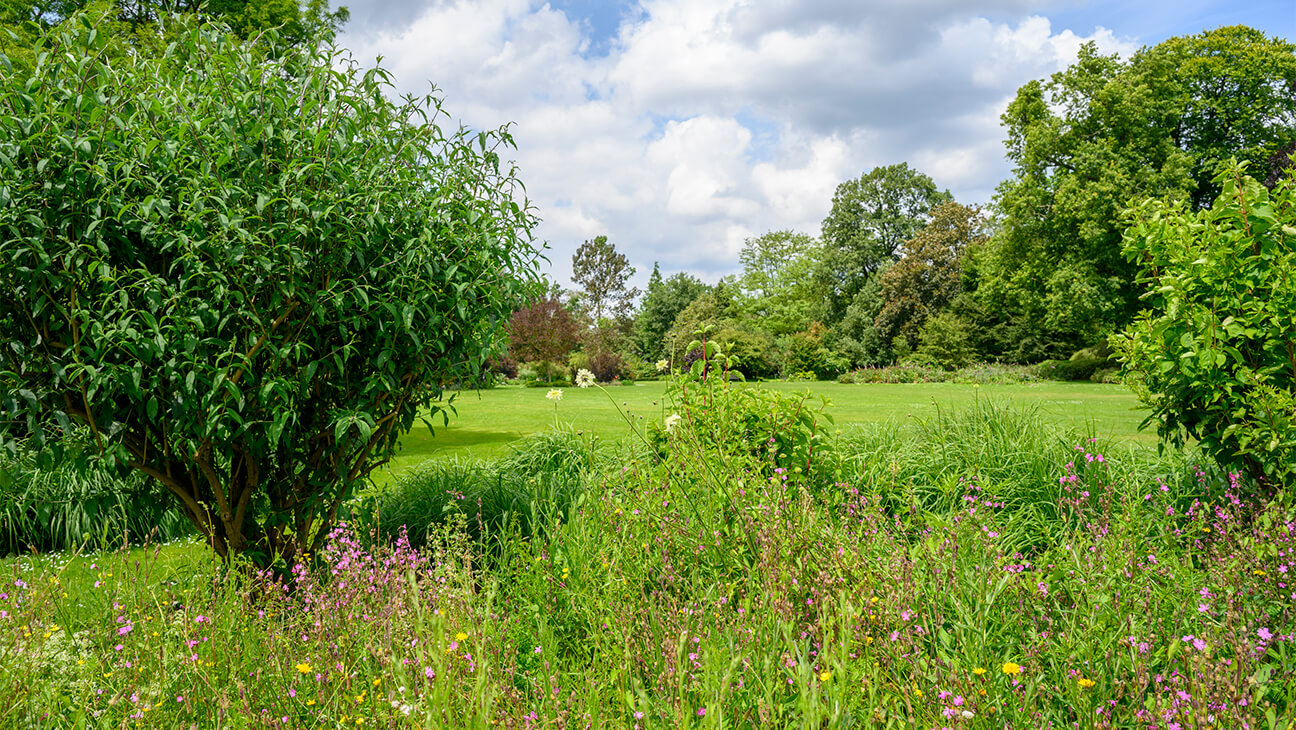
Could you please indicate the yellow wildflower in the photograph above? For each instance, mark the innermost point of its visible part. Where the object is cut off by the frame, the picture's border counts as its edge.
(978, 671)
(304, 668)
(1011, 668)
(1086, 683)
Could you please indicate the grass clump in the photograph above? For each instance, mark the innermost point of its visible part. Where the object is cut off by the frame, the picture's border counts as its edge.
(541, 478)
(78, 505)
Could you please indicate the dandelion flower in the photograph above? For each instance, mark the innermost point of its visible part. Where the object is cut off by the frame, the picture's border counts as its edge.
(825, 676)
(584, 378)
(1086, 683)
(304, 668)
(554, 394)
(1011, 668)
(460, 636)
(978, 671)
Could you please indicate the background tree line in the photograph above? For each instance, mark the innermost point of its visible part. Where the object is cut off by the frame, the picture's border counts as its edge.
(900, 270)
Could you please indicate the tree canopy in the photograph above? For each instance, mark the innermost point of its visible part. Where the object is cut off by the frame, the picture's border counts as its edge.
(929, 273)
(870, 217)
(602, 273)
(779, 270)
(543, 331)
(1105, 132)
(662, 303)
(242, 270)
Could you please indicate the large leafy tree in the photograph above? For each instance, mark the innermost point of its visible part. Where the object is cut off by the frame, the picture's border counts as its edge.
(543, 331)
(1105, 132)
(1214, 355)
(929, 273)
(662, 302)
(242, 270)
(779, 270)
(1234, 92)
(870, 217)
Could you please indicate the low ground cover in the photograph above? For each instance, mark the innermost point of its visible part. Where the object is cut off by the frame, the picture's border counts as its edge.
(977, 568)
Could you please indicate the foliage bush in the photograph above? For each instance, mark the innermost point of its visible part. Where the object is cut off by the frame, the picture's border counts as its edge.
(994, 374)
(607, 366)
(910, 373)
(503, 366)
(921, 370)
(806, 357)
(244, 268)
(1069, 370)
(784, 433)
(1214, 353)
(945, 338)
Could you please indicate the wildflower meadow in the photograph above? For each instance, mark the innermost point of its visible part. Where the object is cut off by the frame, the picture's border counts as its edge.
(731, 564)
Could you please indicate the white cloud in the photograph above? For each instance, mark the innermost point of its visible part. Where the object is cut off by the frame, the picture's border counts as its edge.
(710, 121)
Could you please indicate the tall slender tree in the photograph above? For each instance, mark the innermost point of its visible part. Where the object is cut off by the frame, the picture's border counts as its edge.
(602, 274)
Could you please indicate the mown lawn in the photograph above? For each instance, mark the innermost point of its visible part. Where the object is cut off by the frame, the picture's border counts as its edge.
(488, 421)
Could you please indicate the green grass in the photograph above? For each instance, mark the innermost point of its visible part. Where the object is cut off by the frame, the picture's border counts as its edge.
(488, 422)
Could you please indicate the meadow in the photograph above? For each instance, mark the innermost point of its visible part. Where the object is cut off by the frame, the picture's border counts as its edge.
(736, 562)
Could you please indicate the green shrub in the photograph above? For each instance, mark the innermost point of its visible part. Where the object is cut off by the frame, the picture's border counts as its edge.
(806, 358)
(607, 366)
(911, 373)
(1068, 370)
(784, 432)
(1214, 353)
(945, 338)
(994, 374)
(576, 362)
(247, 267)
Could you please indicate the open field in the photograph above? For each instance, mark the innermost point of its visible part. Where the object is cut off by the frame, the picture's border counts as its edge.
(488, 421)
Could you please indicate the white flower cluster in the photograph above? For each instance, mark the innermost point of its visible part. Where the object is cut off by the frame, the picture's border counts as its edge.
(584, 378)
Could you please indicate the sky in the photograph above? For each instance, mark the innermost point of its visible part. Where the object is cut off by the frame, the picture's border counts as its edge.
(681, 128)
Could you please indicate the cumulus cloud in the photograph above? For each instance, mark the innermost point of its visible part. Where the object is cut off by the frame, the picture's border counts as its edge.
(703, 122)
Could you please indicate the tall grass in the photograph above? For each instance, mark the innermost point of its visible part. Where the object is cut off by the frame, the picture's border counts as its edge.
(78, 506)
(1013, 459)
(538, 482)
